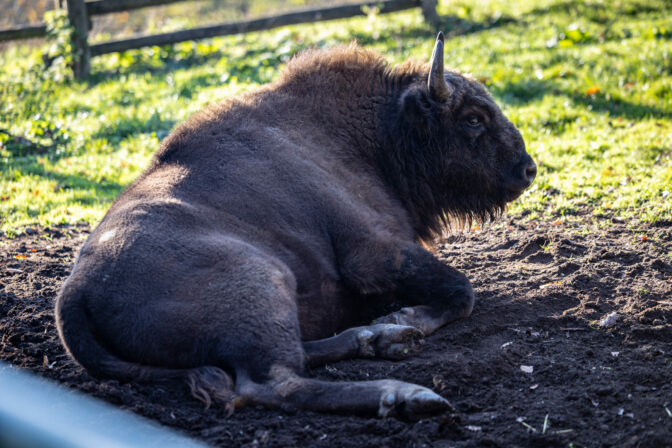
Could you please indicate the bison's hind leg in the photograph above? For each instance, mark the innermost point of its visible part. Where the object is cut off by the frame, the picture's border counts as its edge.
(270, 372)
(277, 381)
(285, 388)
(253, 321)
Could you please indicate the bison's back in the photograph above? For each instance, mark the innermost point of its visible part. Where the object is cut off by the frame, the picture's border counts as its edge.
(277, 174)
(283, 197)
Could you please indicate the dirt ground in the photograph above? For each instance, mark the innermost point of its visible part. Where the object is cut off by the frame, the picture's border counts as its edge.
(541, 362)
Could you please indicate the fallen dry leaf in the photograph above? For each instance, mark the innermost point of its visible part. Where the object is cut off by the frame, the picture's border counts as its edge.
(550, 284)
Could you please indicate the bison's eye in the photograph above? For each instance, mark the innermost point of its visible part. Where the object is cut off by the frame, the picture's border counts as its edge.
(474, 120)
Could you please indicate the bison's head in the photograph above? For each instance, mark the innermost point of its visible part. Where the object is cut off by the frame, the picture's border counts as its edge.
(470, 160)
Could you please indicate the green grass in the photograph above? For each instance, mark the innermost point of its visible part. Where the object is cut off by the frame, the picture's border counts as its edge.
(589, 84)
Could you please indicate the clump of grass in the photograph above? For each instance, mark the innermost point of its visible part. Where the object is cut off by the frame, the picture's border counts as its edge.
(588, 84)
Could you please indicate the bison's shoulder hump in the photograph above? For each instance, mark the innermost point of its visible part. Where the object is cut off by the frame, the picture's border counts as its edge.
(338, 58)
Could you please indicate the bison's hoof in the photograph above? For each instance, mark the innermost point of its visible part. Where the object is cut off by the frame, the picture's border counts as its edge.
(390, 341)
(365, 339)
(411, 401)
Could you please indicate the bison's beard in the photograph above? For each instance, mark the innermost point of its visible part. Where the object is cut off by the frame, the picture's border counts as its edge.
(455, 212)
(466, 212)
(453, 204)
(475, 213)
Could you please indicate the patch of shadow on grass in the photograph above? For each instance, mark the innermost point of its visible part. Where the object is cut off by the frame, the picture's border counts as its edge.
(523, 91)
(597, 12)
(146, 64)
(127, 127)
(618, 106)
(452, 26)
(100, 190)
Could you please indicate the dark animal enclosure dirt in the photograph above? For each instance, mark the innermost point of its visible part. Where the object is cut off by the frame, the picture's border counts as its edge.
(541, 362)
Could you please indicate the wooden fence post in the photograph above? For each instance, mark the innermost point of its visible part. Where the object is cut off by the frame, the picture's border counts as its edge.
(429, 12)
(79, 20)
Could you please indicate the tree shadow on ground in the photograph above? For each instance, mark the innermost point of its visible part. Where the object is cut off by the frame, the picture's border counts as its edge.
(143, 64)
(528, 90)
(130, 126)
(522, 92)
(596, 12)
(617, 106)
(452, 26)
(103, 188)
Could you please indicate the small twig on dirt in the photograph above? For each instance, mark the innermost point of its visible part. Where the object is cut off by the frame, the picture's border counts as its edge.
(669, 413)
(543, 430)
(563, 431)
(521, 420)
(573, 329)
(528, 426)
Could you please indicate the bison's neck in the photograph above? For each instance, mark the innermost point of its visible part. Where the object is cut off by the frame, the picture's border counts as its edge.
(409, 164)
(358, 109)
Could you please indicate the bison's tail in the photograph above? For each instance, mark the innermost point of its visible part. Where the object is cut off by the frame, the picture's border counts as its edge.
(207, 383)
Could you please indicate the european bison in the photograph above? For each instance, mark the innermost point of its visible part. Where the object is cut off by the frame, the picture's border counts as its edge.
(269, 222)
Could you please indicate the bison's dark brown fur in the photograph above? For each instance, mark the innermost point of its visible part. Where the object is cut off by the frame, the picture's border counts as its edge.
(289, 214)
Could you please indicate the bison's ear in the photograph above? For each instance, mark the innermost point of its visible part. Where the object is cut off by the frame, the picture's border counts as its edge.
(416, 106)
(438, 88)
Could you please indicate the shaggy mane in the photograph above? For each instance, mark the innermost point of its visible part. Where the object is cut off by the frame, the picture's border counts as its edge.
(350, 59)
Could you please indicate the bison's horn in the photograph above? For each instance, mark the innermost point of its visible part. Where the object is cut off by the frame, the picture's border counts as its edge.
(438, 87)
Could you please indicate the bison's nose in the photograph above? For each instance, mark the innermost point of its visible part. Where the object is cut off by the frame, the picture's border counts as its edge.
(530, 172)
(523, 174)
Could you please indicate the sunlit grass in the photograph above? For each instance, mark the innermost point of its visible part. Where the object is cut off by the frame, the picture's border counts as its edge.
(588, 84)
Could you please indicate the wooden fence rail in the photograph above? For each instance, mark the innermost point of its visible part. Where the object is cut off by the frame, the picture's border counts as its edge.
(80, 11)
(99, 7)
(26, 32)
(93, 8)
(263, 23)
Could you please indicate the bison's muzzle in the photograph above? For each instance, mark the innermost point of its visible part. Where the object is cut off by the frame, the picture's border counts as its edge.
(522, 176)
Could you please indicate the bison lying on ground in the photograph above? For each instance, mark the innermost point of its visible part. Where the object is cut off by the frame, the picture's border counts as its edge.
(269, 222)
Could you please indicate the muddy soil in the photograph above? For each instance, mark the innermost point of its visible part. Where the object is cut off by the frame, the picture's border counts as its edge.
(537, 364)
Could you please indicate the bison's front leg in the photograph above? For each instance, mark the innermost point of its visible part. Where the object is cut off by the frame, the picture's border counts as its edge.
(434, 293)
(425, 318)
(387, 341)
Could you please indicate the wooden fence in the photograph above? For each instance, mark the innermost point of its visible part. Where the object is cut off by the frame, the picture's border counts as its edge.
(80, 12)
